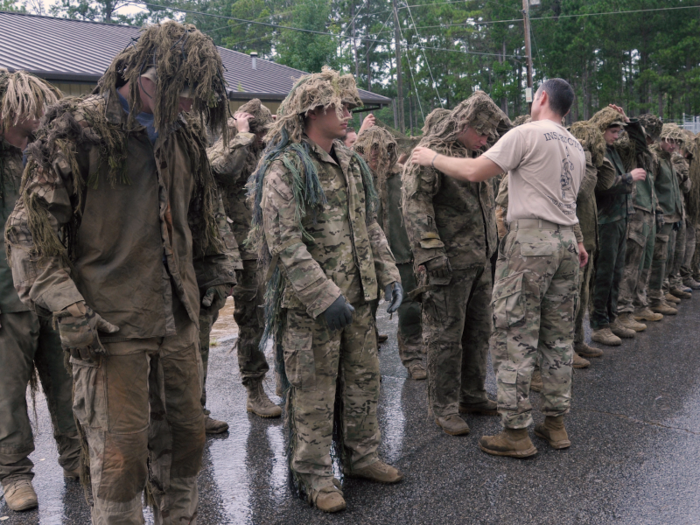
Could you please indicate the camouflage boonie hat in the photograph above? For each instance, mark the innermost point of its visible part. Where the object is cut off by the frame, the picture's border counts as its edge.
(607, 118)
(385, 144)
(652, 125)
(671, 132)
(262, 117)
(23, 95)
(591, 138)
(481, 114)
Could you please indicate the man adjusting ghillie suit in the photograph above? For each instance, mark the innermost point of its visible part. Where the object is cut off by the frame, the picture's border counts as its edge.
(26, 340)
(379, 149)
(452, 229)
(232, 165)
(115, 236)
(325, 256)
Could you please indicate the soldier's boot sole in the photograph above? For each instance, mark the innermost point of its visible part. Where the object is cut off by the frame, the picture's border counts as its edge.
(509, 443)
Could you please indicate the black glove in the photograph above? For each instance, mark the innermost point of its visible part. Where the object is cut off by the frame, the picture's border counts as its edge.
(339, 314)
(393, 293)
(677, 226)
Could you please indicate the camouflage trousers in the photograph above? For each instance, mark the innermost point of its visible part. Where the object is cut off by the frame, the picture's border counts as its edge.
(534, 303)
(139, 409)
(26, 342)
(410, 332)
(584, 291)
(610, 267)
(660, 263)
(674, 276)
(323, 366)
(638, 254)
(456, 330)
(687, 269)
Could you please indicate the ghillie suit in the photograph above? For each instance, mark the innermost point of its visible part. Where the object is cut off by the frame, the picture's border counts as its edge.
(652, 125)
(379, 141)
(591, 139)
(435, 116)
(522, 119)
(607, 118)
(262, 117)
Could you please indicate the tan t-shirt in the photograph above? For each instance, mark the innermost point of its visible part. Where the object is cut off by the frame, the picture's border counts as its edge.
(545, 166)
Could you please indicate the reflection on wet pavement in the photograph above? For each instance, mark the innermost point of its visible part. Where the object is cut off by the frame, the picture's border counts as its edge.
(635, 429)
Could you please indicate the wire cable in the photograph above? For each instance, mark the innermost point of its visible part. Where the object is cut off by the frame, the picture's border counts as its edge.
(426, 59)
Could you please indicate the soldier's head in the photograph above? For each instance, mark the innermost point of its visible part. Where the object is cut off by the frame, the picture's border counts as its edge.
(671, 138)
(477, 119)
(434, 118)
(610, 124)
(553, 98)
(591, 139)
(688, 145)
(320, 102)
(23, 101)
(378, 147)
(652, 127)
(350, 137)
(171, 68)
(261, 120)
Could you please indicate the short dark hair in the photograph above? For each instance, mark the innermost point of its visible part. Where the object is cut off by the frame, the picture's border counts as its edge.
(561, 95)
(349, 129)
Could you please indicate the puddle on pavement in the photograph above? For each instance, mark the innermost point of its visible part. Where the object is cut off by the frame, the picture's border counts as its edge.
(225, 327)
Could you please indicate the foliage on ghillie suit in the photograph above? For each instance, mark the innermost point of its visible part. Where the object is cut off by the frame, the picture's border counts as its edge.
(261, 121)
(522, 119)
(671, 132)
(376, 139)
(652, 125)
(591, 138)
(435, 116)
(184, 59)
(627, 151)
(688, 142)
(606, 118)
(694, 172)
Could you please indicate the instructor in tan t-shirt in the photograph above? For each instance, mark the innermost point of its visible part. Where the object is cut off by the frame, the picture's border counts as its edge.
(536, 290)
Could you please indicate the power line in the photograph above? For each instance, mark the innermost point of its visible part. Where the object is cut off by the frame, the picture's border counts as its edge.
(426, 61)
(410, 69)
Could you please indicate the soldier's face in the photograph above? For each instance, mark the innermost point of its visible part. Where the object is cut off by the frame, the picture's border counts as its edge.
(612, 134)
(329, 124)
(350, 139)
(471, 139)
(669, 146)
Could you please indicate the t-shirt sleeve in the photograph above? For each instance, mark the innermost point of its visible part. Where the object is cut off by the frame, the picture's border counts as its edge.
(509, 151)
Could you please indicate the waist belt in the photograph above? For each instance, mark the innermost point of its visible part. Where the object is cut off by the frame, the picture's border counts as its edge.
(536, 224)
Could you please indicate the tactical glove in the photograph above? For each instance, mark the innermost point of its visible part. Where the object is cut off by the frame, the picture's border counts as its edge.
(394, 294)
(339, 314)
(78, 325)
(439, 270)
(215, 297)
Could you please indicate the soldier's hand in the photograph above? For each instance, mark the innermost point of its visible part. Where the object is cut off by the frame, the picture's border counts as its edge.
(423, 156)
(243, 121)
(620, 111)
(394, 294)
(369, 121)
(582, 255)
(439, 268)
(216, 295)
(638, 174)
(339, 314)
(78, 325)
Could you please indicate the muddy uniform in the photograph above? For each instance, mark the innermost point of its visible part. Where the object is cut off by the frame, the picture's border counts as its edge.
(446, 217)
(322, 255)
(27, 341)
(131, 261)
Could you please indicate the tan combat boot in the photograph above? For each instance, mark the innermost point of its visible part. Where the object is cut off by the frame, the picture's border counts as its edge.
(417, 371)
(691, 283)
(329, 500)
(485, 408)
(258, 402)
(536, 384)
(672, 298)
(647, 315)
(587, 351)
(453, 425)
(381, 338)
(580, 362)
(19, 494)
(662, 307)
(214, 426)
(628, 321)
(621, 330)
(378, 472)
(604, 336)
(511, 442)
(554, 432)
(680, 293)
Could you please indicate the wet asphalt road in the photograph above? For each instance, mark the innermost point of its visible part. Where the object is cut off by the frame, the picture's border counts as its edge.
(635, 455)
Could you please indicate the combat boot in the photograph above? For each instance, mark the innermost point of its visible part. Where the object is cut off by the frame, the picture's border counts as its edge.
(647, 315)
(681, 293)
(453, 425)
(587, 351)
(329, 500)
(536, 384)
(511, 442)
(381, 338)
(19, 494)
(691, 283)
(604, 336)
(378, 472)
(620, 330)
(72, 474)
(662, 307)
(672, 299)
(258, 402)
(554, 432)
(580, 362)
(628, 321)
(485, 408)
(417, 371)
(214, 426)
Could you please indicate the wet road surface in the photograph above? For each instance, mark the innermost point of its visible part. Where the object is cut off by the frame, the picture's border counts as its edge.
(634, 459)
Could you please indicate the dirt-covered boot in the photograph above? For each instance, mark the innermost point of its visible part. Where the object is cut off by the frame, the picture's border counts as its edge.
(536, 384)
(378, 472)
(681, 293)
(329, 500)
(511, 442)
(621, 330)
(453, 425)
(647, 315)
(554, 432)
(672, 298)
(580, 362)
(214, 426)
(258, 402)
(628, 321)
(604, 336)
(662, 307)
(417, 371)
(381, 338)
(19, 494)
(587, 351)
(486, 407)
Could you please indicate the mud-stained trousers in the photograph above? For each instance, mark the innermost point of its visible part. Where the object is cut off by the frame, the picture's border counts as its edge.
(410, 332)
(610, 267)
(534, 302)
(632, 297)
(25, 342)
(674, 278)
(660, 263)
(584, 291)
(456, 330)
(687, 269)
(318, 362)
(114, 397)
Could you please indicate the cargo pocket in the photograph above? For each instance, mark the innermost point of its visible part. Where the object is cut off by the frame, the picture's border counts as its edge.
(299, 365)
(507, 304)
(540, 249)
(636, 233)
(661, 247)
(508, 393)
(89, 394)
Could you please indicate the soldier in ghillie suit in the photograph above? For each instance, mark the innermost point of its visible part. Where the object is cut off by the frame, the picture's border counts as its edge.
(115, 236)
(232, 165)
(452, 229)
(325, 256)
(615, 206)
(379, 149)
(692, 210)
(27, 341)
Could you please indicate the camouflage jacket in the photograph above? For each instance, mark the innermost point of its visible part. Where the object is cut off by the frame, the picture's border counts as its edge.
(390, 217)
(616, 202)
(10, 176)
(337, 250)
(232, 166)
(444, 216)
(667, 187)
(139, 252)
(682, 167)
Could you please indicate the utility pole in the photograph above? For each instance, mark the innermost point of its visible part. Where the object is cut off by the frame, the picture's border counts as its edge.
(528, 52)
(399, 80)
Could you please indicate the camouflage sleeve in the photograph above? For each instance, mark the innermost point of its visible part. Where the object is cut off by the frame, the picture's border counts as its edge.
(420, 185)
(230, 244)
(682, 171)
(283, 235)
(227, 162)
(40, 268)
(384, 262)
(621, 184)
(606, 176)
